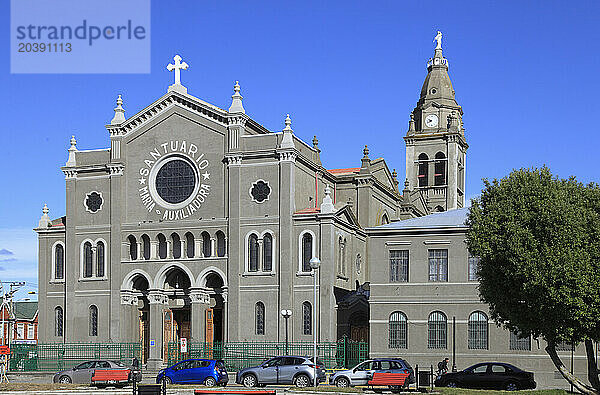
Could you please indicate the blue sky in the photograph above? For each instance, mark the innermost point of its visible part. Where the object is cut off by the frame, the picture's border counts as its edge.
(349, 72)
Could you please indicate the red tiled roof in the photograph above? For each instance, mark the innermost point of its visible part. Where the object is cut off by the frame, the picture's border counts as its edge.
(340, 172)
(310, 210)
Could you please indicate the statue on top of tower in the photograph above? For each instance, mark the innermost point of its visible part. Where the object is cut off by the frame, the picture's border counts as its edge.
(438, 38)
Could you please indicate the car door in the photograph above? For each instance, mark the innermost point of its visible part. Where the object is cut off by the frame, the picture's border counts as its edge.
(287, 370)
(181, 372)
(360, 374)
(201, 371)
(476, 376)
(498, 376)
(269, 371)
(82, 373)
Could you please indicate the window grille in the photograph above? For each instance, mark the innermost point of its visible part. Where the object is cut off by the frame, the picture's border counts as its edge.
(564, 346)
(58, 321)
(306, 252)
(267, 253)
(440, 169)
(438, 265)
(175, 181)
(473, 266)
(423, 170)
(93, 321)
(59, 262)
(260, 318)
(399, 266)
(253, 253)
(87, 254)
(398, 330)
(478, 331)
(100, 259)
(307, 318)
(519, 343)
(437, 328)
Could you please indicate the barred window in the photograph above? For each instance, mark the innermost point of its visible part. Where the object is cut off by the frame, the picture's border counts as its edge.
(307, 242)
(307, 318)
(437, 328)
(253, 253)
(100, 259)
(478, 331)
(260, 318)
(59, 262)
(438, 265)
(519, 343)
(473, 265)
(87, 256)
(93, 330)
(398, 330)
(399, 266)
(267, 252)
(58, 321)
(564, 346)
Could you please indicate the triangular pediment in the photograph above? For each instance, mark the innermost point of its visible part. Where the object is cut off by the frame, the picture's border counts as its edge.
(346, 215)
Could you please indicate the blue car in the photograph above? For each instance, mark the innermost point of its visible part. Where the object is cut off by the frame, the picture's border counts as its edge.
(198, 371)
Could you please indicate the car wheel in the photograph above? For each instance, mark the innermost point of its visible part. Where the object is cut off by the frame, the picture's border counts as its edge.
(64, 380)
(249, 380)
(511, 386)
(342, 382)
(166, 380)
(452, 384)
(210, 382)
(302, 381)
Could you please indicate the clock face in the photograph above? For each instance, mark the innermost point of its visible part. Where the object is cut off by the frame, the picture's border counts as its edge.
(431, 120)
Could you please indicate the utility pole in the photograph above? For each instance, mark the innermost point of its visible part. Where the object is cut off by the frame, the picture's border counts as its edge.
(7, 300)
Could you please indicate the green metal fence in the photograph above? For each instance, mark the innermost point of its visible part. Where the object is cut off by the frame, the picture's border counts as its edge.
(237, 355)
(53, 357)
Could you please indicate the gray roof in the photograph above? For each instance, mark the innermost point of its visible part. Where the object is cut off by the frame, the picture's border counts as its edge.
(447, 219)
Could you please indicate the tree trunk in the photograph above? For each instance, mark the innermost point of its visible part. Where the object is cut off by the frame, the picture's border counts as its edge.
(592, 367)
(577, 384)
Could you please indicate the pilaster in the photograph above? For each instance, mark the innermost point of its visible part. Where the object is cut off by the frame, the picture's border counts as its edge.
(235, 263)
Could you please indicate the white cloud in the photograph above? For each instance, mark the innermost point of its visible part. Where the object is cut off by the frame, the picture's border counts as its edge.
(19, 257)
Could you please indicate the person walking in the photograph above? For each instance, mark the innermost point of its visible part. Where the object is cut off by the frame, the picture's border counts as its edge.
(443, 366)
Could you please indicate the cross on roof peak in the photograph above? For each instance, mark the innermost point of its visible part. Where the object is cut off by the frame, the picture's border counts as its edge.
(177, 67)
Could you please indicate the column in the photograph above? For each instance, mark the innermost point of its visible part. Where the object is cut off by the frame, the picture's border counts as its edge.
(260, 255)
(169, 249)
(198, 247)
(125, 255)
(129, 317)
(225, 294)
(157, 301)
(452, 175)
(153, 249)
(183, 248)
(200, 301)
(140, 245)
(226, 247)
(213, 249)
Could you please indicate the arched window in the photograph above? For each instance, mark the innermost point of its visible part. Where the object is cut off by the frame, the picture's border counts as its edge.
(440, 169)
(253, 253)
(87, 259)
(437, 330)
(307, 251)
(384, 219)
(306, 318)
(189, 244)
(267, 253)
(59, 262)
(133, 247)
(259, 312)
(221, 247)
(58, 321)
(162, 246)
(478, 331)
(100, 259)
(176, 245)
(146, 245)
(423, 170)
(93, 321)
(398, 330)
(206, 248)
(340, 255)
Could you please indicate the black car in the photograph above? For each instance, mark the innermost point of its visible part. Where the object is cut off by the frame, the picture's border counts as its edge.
(488, 375)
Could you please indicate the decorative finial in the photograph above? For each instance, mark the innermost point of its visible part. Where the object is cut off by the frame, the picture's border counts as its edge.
(288, 122)
(366, 152)
(287, 141)
(236, 100)
(438, 38)
(406, 183)
(71, 161)
(327, 205)
(119, 113)
(178, 66)
(45, 219)
(315, 142)
(394, 174)
(411, 124)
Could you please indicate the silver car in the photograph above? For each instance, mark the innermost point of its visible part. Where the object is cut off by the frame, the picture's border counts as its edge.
(82, 373)
(363, 372)
(296, 370)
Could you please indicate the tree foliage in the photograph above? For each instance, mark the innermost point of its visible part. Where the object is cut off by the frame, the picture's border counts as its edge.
(538, 237)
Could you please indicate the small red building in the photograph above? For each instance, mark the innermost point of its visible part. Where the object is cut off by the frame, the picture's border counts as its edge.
(22, 322)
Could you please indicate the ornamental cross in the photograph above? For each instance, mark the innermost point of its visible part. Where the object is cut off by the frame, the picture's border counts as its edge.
(178, 66)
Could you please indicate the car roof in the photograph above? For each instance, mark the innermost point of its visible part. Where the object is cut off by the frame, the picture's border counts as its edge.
(495, 363)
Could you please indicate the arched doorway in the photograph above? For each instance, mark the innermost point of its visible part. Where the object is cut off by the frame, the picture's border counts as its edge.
(177, 312)
(215, 329)
(140, 287)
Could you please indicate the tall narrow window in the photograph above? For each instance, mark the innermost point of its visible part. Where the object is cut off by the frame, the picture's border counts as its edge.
(437, 330)
(58, 321)
(221, 245)
(93, 321)
(267, 252)
(176, 245)
(438, 265)
(306, 318)
(398, 330)
(260, 318)
(440, 169)
(87, 259)
(133, 247)
(399, 266)
(162, 246)
(59, 262)
(478, 331)
(519, 342)
(473, 265)
(189, 244)
(307, 245)
(253, 253)
(100, 255)
(206, 247)
(423, 174)
(146, 244)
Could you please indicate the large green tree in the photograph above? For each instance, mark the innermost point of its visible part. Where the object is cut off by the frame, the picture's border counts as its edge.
(538, 237)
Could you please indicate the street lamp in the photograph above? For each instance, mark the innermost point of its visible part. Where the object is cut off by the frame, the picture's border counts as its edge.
(314, 265)
(286, 314)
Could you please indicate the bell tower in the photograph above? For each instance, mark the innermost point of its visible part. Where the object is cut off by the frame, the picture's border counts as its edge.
(435, 142)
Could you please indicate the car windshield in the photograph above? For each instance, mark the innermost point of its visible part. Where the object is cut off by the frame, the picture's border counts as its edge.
(118, 363)
(364, 366)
